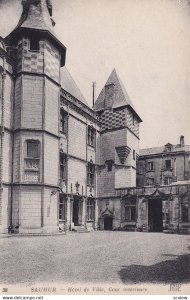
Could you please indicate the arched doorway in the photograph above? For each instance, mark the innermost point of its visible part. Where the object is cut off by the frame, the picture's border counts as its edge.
(108, 223)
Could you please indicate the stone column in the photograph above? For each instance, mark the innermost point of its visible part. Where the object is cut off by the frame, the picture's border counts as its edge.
(84, 211)
(175, 171)
(145, 221)
(176, 213)
(68, 225)
(71, 213)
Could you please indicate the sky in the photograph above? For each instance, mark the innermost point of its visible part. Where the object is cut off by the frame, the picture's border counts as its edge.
(146, 41)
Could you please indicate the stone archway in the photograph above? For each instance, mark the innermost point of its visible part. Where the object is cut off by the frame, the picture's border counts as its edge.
(107, 218)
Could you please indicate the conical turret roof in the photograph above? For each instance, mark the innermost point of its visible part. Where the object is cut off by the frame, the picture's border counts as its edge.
(120, 98)
(35, 15)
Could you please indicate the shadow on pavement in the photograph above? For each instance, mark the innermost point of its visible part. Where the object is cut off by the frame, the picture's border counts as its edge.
(169, 271)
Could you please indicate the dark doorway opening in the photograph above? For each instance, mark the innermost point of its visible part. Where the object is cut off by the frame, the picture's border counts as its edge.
(108, 222)
(155, 216)
(76, 212)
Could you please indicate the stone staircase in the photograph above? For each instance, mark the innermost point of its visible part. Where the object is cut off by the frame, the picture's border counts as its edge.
(80, 229)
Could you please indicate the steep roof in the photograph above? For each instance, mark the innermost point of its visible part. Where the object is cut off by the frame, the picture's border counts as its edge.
(70, 86)
(36, 16)
(160, 150)
(121, 98)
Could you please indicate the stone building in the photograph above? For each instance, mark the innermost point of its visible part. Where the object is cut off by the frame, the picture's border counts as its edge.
(48, 132)
(163, 188)
(66, 166)
(164, 165)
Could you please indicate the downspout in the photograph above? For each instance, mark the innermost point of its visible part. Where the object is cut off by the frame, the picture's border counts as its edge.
(13, 141)
(2, 123)
(184, 168)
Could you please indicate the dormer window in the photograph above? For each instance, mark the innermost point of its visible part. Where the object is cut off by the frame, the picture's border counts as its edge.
(168, 147)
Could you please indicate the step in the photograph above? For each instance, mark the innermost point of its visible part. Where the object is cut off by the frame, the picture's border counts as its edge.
(80, 229)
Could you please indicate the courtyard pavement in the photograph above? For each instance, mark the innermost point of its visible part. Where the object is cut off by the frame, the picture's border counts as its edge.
(97, 257)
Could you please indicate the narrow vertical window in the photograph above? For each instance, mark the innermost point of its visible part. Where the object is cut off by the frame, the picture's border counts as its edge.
(150, 166)
(63, 165)
(91, 136)
(62, 208)
(90, 174)
(134, 155)
(168, 164)
(90, 209)
(32, 161)
(63, 121)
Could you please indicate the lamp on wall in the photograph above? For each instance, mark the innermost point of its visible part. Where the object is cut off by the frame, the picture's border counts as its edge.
(59, 189)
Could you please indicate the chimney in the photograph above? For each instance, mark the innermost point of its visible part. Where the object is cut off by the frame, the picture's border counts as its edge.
(182, 141)
(109, 95)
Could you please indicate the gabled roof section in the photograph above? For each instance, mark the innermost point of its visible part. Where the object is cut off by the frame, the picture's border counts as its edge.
(120, 98)
(69, 85)
(160, 150)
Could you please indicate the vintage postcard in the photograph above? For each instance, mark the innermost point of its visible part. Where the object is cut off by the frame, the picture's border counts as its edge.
(94, 148)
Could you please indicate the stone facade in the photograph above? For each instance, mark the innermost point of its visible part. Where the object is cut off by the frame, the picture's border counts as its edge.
(164, 165)
(65, 166)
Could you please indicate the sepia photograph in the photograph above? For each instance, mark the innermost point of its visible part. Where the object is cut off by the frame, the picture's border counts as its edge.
(94, 148)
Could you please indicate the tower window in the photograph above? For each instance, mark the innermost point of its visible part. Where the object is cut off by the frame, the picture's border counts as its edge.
(34, 44)
(32, 149)
(91, 136)
(90, 174)
(32, 161)
(109, 164)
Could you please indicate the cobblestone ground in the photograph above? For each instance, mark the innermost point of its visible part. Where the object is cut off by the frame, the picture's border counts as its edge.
(97, 257)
